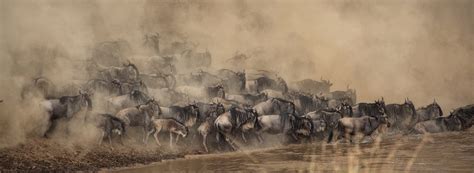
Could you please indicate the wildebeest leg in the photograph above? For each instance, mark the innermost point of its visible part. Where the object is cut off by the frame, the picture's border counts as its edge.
(177, 138)
(101, 138)
(148, 134)
(109, 136)
(171, 140)
(243, 137)
(156, 138)
(204, 136)
(52, 126)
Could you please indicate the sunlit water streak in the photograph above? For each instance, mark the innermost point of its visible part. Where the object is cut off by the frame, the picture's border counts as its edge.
(447, 152)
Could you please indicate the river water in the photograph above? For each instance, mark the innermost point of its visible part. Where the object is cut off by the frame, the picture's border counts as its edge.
(445, 152)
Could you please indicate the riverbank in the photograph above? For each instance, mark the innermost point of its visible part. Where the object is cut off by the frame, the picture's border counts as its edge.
(47, 155)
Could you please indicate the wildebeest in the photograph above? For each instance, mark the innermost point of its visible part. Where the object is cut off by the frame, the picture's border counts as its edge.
(275, 106)
(110, 88)
(329, 118)
(65, 107)
(197, 78)
(188, 115)
(234, 82)
(128, 86)
(460, 119)
(109, 124)
(236, 120)
(127, 72)
(401, 116)
(134, 98)
(248, 98)
(140, 116)
(349, 96)
(170, 125)
(350, 126)
(429, 112)
(167, 96)
(202, 93)
(265, 82)
(313, 86)
(207, 127)
(286, 123)
(306, 102)
(369, 109)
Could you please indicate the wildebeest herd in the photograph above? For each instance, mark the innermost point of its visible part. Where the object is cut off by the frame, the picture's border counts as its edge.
(235, 107)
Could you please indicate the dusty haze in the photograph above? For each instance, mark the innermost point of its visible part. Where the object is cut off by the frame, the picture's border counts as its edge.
(396, 49)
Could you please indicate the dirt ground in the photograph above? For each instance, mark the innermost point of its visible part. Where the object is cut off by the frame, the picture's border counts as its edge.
(48, 155)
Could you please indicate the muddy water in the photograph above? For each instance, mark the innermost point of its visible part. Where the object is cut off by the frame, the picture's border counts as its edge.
(447, 152)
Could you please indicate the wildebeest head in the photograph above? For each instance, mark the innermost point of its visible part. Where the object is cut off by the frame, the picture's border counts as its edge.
(301, 125)
(242, 79)
(434, 110)
(380, 105)
(131, 70)
(344, 109)
(409, 107)
(83, 99)
(151, 107)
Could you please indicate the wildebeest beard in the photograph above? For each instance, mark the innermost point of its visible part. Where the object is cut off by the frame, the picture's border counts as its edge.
(284, 105)
(75, 104)
(138, 96)
(185, 113)
(240, 117)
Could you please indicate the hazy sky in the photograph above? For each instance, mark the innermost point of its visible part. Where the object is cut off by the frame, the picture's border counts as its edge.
(395, 49)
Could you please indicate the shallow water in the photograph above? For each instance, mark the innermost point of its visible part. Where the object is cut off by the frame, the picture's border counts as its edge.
(446, 152)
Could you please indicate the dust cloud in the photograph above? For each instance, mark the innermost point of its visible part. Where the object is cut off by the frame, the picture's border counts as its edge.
(419, 49)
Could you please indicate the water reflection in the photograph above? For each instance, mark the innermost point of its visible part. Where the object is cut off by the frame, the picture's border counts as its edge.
(446, 152)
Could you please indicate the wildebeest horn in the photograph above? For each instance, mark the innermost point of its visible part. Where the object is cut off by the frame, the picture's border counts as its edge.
(434, 100)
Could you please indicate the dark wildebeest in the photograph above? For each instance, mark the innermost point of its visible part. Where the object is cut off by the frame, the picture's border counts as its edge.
(349, 126)
(140, 116)
(349, 96)
(236, 120)
(234, 82)
(429, 112)
(248, 98)
(460, 119)
(329, 118)
(65, 107)
(275, 106)
(134, 98)
(369, 109)
(216, 91)
(187, 115)
(109, 124)
(287, 123)
(206, 127)
(306, 102)
(170, 125)
(401, 116)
